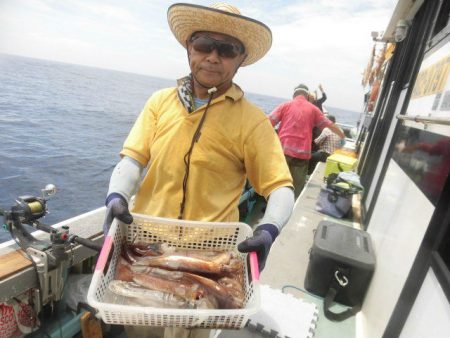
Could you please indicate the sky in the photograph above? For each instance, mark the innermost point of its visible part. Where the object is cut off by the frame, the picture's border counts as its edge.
(315, 42)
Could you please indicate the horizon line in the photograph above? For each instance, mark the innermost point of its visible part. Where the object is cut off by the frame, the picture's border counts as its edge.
(153, 76)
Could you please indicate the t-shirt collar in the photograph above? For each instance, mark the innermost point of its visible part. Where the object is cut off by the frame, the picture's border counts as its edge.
(185, 93)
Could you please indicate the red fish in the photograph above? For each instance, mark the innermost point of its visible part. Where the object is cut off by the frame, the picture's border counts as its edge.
(182, 288)
(123, 270)
(224, 299)
(183, 263)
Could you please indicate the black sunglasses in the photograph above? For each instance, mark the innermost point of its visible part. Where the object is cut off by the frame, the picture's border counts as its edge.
(206, 44)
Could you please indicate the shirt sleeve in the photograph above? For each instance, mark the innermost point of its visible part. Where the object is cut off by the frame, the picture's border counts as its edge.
(276, 116)
(320, 120)
(323, 98)
(140, 139)
(264, 160)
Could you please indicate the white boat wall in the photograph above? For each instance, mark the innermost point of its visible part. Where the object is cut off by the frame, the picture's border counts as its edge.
(404, 165)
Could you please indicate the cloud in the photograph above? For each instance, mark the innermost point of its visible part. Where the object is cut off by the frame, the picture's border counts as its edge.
(324, 42)
(314, 42)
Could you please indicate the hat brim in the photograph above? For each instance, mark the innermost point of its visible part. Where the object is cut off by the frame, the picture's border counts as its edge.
(185, 19)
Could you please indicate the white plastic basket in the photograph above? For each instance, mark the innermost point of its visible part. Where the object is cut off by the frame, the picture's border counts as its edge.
(179, 234)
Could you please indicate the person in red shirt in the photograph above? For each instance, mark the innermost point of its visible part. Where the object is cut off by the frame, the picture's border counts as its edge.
(296, 119)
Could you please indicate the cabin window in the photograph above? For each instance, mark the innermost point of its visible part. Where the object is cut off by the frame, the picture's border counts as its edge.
(425, 158)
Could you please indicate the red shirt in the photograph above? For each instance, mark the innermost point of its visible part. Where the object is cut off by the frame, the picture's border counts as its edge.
(297, 119)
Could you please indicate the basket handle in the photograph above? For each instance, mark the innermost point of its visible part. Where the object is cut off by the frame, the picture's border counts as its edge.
(254, 268)
(104, 254)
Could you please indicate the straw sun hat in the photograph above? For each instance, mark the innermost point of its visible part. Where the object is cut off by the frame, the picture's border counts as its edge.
(185, 19)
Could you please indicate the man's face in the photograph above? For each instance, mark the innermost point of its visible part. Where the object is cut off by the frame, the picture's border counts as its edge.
(214, 58)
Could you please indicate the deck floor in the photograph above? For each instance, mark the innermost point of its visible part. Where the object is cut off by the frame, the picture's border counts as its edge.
(288, 261)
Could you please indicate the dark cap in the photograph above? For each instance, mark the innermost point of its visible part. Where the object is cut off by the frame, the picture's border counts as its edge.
(301, 88)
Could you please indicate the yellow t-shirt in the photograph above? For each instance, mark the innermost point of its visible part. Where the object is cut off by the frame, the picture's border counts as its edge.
(237, 141)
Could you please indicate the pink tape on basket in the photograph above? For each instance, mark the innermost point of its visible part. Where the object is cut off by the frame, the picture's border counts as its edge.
(254, 268)
(103, 258)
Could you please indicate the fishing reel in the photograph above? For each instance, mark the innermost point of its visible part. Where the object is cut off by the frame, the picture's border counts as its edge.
(29, 209)
(50, 258)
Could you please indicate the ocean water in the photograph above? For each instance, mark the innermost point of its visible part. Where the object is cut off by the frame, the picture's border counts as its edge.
(65, 124)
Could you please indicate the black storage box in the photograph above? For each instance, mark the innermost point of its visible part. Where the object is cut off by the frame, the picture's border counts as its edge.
(341, 256)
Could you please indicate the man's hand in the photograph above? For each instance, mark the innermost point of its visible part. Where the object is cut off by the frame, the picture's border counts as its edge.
(261, 241)
(116, 206)
(342, 142)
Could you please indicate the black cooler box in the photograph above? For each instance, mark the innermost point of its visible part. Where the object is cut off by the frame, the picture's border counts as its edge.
(341, 265)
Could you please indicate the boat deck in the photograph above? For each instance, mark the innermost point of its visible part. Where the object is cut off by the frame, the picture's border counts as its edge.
(287, 263)
(289, 256)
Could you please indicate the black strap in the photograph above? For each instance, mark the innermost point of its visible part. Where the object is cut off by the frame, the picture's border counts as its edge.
(333, 197)
(339, 282)
(187, 156)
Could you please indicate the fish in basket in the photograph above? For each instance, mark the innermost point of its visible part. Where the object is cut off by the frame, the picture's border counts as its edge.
(175, 273)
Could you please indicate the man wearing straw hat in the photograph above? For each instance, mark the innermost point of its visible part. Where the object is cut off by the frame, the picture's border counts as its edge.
(201, 140)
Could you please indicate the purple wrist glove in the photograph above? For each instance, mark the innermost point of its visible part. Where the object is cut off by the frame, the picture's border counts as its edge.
(261, 241)
(116, 206)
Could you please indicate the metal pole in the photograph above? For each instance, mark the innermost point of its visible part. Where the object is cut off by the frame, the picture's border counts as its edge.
(425, 119)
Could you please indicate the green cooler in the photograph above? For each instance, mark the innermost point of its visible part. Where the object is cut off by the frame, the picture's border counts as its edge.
(338, 162)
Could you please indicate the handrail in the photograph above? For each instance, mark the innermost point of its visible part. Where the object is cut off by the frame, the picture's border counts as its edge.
(425, 120)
